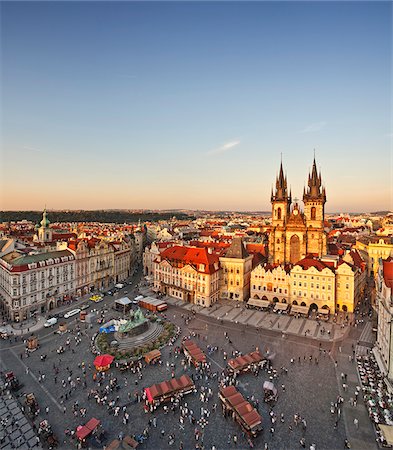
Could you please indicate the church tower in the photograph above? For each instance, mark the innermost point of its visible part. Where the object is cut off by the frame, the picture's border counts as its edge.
(281, 204)
(314, 199)
(44, 232)
(281, 201)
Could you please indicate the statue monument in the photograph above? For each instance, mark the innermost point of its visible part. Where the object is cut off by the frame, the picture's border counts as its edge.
(136, 325)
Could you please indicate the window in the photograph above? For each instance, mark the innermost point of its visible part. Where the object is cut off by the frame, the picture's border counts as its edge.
(313, 213)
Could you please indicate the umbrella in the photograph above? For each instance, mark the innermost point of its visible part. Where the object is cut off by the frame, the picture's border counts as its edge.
(103, 360)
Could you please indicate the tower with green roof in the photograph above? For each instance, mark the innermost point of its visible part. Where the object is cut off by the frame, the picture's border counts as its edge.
(44, 232)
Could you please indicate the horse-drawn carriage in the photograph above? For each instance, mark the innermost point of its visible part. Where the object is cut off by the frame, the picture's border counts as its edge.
(32, 404)
(46, 434)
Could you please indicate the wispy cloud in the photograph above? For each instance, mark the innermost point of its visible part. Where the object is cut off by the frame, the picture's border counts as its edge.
(31, 149)
(224, 147)
(312, 127)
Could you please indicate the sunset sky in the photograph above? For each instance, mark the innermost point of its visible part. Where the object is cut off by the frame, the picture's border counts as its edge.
(190, 105)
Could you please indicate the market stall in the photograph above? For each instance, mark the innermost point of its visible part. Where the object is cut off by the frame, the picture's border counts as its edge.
(103, 362)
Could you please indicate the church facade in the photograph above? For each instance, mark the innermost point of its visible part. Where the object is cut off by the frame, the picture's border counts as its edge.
(294, 233)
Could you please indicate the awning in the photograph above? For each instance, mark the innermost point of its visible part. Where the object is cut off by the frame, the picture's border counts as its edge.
(300, 309)
(281, 306)
(92, 424)
(259, 303)
(124, 301)
(82, 432)
(324, 311)
(269, 386)
(387, 431)
(103, 360)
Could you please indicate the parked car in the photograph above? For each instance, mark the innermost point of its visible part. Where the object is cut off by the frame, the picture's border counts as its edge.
(50, 322)
(84, 306)
(71, 313)
(109, 293)
(55, 315)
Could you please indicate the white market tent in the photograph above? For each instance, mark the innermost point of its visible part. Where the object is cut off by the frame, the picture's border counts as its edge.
(258, 303)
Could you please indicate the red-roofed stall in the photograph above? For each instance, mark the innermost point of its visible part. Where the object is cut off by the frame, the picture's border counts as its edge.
(162, 392)
(193, 353)
(245, 363)
(234, 405)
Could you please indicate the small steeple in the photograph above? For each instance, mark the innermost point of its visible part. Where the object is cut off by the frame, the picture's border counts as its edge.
(314, 183)
(281, 192)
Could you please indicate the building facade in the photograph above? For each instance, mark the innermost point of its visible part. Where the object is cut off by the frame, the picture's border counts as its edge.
(374, 249)
(121, 260)
(35, 283)
(384, 345)
(236, 267)
(101, 264)
(271, 282)
(293, 234)
(313, 284)
(188, 273)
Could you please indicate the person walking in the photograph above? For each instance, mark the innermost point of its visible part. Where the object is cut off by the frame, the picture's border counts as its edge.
(356, 423)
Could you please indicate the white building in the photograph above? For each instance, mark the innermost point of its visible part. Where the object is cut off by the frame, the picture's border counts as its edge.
(384, 346)
(36, 282)
(188, 273)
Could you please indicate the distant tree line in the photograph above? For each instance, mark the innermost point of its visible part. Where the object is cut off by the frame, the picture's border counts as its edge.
(91, 216)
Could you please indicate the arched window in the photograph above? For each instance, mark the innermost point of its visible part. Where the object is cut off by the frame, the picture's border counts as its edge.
(278, 241)
(279, 213)
(313, 213)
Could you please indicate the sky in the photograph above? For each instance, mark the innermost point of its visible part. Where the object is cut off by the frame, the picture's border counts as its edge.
(191, 105)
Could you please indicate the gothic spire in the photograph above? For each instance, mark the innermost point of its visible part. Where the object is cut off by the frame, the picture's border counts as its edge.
(314, 189)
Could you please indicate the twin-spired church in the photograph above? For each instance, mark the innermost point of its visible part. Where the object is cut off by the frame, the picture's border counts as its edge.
(295, 234)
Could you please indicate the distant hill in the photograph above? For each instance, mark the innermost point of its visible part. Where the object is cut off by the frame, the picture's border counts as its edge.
(103, 216)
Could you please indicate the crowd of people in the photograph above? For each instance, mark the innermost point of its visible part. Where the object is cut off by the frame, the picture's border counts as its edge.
(378, 400)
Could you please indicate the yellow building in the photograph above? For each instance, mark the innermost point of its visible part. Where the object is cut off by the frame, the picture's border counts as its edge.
(313, 284)
(372, 249)
(294, 234)
(271, 282)
(236, 272)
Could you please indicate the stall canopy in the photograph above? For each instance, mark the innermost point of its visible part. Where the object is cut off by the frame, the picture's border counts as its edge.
(244, 361)
(297, 309)
(110, 329)
(168, 387)
(103, 360)
(323, 311)
(269, 386)
(84, 430)
(194, 351)
(92, 424)
(258, 303)
(281, 306)
(123, 301)
(242, 408)
(387, 431)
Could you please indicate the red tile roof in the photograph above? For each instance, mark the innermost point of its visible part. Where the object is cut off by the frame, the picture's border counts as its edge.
(192, 256)
(307, 262)
(388, 272)
(256, 248)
